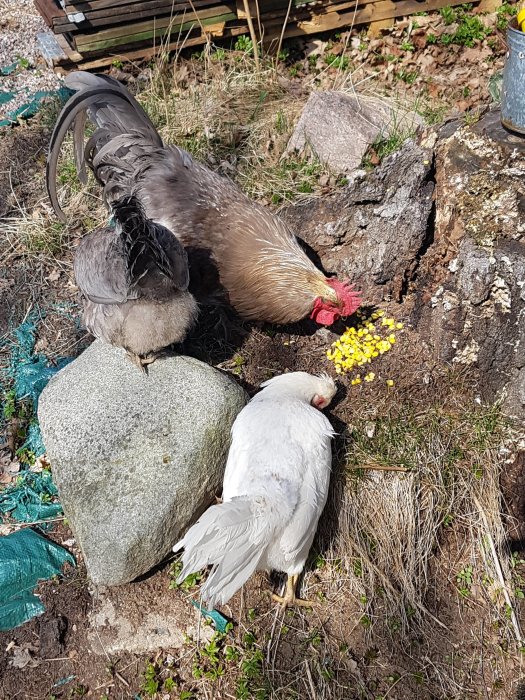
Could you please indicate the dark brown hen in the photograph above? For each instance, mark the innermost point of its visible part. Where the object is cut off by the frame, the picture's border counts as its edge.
(134, 282)
(261, 265)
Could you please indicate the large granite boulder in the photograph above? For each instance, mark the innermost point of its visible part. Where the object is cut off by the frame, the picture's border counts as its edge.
(470, 289)
(136, 457)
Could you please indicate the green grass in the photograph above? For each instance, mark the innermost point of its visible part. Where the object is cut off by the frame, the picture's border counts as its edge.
(341, 62)
(417, 470)
(48, 238)
(384, 146)
(67, 175)
(403, 439)
(239, 119)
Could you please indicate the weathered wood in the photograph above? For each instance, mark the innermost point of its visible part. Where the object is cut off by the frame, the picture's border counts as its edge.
(377, 26)
(399, 8)
(73, 56)
(128, 24)
(128, 35)
(114, 15)
(91, 63)
(489, 5)
(182, 21)
(125, 6)
(49, 11)
(97, 4)
(266, 6)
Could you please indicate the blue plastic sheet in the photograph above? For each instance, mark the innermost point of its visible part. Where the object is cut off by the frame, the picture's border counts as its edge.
(219, 621)
(32, 102)
(28, 373)
(31, 498)
(25, 559)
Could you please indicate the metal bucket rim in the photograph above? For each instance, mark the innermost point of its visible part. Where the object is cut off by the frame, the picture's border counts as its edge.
(513, 27)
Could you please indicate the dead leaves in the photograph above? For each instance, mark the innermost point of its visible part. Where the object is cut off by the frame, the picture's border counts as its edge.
(22, 656)
(9, 467)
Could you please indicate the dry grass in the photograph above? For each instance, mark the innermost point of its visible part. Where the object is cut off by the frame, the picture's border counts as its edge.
(419, 520)
(411, 569)
(391, 521)
(237, 120)
(33, 229)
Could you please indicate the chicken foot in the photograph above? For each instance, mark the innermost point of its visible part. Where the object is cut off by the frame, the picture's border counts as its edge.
(141, 362)
(290, 598)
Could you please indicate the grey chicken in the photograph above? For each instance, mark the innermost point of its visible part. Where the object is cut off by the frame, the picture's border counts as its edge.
(134, 278)
(266, 274)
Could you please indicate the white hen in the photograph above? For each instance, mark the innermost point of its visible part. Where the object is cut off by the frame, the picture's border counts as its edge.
(275, 488)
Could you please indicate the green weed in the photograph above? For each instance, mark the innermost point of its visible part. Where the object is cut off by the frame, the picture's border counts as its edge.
(244, 43)
(189, 582)
(504, 13)
(465, 579)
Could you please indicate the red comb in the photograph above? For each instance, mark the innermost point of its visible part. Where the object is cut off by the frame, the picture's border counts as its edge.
(349, 300)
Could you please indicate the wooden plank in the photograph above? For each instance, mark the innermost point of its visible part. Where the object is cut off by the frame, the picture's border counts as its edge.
(131, 5)
(365, 15)
(489, 5)
(185, 21)
(215, 29)
(117, 15)
(157, 8)
(73, 56)
(147, 53)
(274, 8)
(86, 5)
(264, 7)
(308, 12)
(377, 26)
(128, 35)
(49, 10)
(308, 23)
(122, 13)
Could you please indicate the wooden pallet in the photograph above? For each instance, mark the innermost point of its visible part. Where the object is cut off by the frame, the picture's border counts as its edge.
(94, 33)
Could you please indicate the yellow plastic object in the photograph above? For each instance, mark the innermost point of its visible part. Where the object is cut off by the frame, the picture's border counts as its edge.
(520, 18)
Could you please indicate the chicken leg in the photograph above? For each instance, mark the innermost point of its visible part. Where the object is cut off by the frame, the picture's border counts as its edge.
(290, 598)
(141, 362)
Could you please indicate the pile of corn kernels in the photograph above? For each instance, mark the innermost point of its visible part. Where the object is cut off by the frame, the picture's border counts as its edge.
(359, 346)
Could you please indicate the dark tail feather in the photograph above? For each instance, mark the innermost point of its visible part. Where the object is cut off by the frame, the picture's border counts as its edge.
(111, 107)
(140, 236)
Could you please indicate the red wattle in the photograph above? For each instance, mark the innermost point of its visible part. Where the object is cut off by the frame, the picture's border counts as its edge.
(320, 314)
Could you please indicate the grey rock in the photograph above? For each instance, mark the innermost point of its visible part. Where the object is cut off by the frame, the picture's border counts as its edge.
(373, 230)
(338, 128)
(142, 618)
(477, 259)
(136, 458)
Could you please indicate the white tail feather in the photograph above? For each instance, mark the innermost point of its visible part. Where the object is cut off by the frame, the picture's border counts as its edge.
(230, 537)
